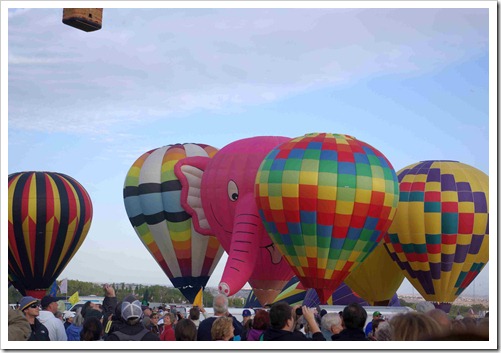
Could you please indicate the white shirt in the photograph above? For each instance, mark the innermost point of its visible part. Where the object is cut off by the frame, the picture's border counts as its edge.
(54, 325)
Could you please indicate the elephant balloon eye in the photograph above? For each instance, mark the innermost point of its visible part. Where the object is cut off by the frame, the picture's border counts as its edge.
(232, 191)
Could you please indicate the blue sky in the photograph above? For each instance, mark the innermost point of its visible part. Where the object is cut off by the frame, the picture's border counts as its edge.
(414, 83)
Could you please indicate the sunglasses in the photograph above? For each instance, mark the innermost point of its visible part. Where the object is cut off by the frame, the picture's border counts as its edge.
(34, 306)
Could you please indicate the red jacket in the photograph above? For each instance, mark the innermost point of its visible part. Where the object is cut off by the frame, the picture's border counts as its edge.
(168, 334)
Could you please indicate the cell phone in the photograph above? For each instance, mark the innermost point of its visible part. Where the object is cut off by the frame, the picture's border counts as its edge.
(299, 311)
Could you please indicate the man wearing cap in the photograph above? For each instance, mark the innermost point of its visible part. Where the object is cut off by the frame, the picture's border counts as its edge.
(375, 316)
(246, 324)
(53, 324)
(31, 309)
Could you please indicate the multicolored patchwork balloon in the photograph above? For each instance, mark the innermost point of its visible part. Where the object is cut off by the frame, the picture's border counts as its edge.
(440, 235)
(152, 199)
(326, 200)
(49, 217)
(377, 278)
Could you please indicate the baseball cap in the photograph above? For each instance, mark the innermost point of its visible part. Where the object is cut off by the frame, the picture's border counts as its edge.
(26, 301)
(246, 313)
(47, 300)
(376, 313)
(68, 314)
(131, 310)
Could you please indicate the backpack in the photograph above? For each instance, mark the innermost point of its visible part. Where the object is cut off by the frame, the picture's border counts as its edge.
(125, 337)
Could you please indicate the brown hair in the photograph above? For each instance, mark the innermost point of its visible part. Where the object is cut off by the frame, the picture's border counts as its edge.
(261, 320)
(414, 326)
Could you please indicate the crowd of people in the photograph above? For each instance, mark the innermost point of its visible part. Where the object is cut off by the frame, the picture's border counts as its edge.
(129, 320)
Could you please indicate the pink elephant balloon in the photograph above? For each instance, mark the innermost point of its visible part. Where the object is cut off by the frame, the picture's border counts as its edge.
(219, 194)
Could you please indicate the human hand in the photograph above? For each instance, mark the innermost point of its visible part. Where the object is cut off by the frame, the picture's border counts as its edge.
(109, 291)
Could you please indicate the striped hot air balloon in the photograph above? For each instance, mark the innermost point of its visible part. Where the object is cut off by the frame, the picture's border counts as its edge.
(440, 235)
(326, 200)
(152, 201)
(49, 217)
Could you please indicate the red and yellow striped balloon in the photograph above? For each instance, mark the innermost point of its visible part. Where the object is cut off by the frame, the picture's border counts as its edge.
(49, 217)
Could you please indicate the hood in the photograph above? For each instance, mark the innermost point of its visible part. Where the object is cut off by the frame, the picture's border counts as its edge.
(45, 315)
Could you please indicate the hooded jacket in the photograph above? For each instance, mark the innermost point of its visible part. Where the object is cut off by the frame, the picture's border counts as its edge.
(273, 334)
(54, 325)
(254, 334)
(132, 330)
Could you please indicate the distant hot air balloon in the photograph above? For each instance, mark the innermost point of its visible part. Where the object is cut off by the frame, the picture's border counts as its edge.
(377, 278)
(152, 200)
(49, 217)
(440, 235)
(326, 200)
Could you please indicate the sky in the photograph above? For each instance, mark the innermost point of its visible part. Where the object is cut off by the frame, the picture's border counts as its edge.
(412, 82)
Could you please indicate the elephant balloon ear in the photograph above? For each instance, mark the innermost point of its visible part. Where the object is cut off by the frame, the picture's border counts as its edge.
(189, 171)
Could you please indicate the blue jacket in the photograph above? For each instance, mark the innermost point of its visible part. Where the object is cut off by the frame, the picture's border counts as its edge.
(73, 332)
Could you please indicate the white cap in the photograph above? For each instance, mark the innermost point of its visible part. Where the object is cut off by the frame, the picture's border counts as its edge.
(68, 314)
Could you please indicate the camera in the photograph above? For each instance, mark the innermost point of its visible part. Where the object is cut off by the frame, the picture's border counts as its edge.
(299, 311)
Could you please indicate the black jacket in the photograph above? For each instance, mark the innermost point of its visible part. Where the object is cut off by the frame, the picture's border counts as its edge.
(350, 334)
(131, 331)
(39, 332)
(273, 334)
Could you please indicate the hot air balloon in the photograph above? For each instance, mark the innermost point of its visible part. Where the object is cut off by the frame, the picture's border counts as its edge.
(49, 217)
(377, 278)
(152, 201)
(326, 200)
(440, 235)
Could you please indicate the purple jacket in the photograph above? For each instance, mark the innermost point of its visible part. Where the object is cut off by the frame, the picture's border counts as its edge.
(254, 334)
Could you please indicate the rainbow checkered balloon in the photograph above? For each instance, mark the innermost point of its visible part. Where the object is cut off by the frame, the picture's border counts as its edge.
(440, 235)
(326, 200)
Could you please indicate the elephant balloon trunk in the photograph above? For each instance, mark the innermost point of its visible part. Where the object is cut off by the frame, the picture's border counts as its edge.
(244, 247)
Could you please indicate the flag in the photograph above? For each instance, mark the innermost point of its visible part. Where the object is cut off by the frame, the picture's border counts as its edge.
(63, 288)
(53, 289)
(74, 298)
(198, 301)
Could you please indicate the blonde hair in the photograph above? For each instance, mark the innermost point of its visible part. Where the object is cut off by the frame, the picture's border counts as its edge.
(222, 328)
(414, 326)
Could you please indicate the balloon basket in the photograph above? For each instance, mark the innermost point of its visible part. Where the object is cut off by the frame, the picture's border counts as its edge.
(443, 306)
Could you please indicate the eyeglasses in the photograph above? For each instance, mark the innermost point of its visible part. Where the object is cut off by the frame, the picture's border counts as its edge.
(34, 306)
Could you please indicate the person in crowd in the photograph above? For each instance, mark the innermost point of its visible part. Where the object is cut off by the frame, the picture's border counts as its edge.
(154, 324)
(222, 329)
(112, 311)
(146, 315)
(414, 326)
(376, 315)
(54, 325)
(220, 306)
(59, 315)
(245, 330)
(185, 330)
(68, 317)
(31, 309)
(195, 316)
(19, 327)
(442, 319)
(246, 315)
(260, 323)
(94, 313)
(76, 326)
(132, 329)
(384, 332)
(283, 324)
(332, 324)
(354, 317)
(168, 334)
(92, 329)
(375, 326)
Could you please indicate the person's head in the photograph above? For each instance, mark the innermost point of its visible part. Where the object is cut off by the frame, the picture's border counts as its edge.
(94, 313)
(185, 330)
(332, 322)
(49, 303)
(281, 316)
(375, 325)
(220, 305)
(261, 320)
(59, 315)
(131, 310)
(222, 329)
(194, 313)
(354, 316)
(85, 307)
(29, 306)
(384, 332)
(414, 326)
(376, 315)
(92, 329)
(78, 319)
(68, 316)
(170, 319)
(246, 314)
(441, 318)
(154, 319)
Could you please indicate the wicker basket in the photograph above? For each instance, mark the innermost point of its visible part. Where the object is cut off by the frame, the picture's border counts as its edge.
(87, 20)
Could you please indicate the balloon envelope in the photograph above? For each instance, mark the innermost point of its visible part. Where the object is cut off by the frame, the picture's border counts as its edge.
(326, 201)
(377, 278)
(440, 235)
(49, 217)
(152, 201)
